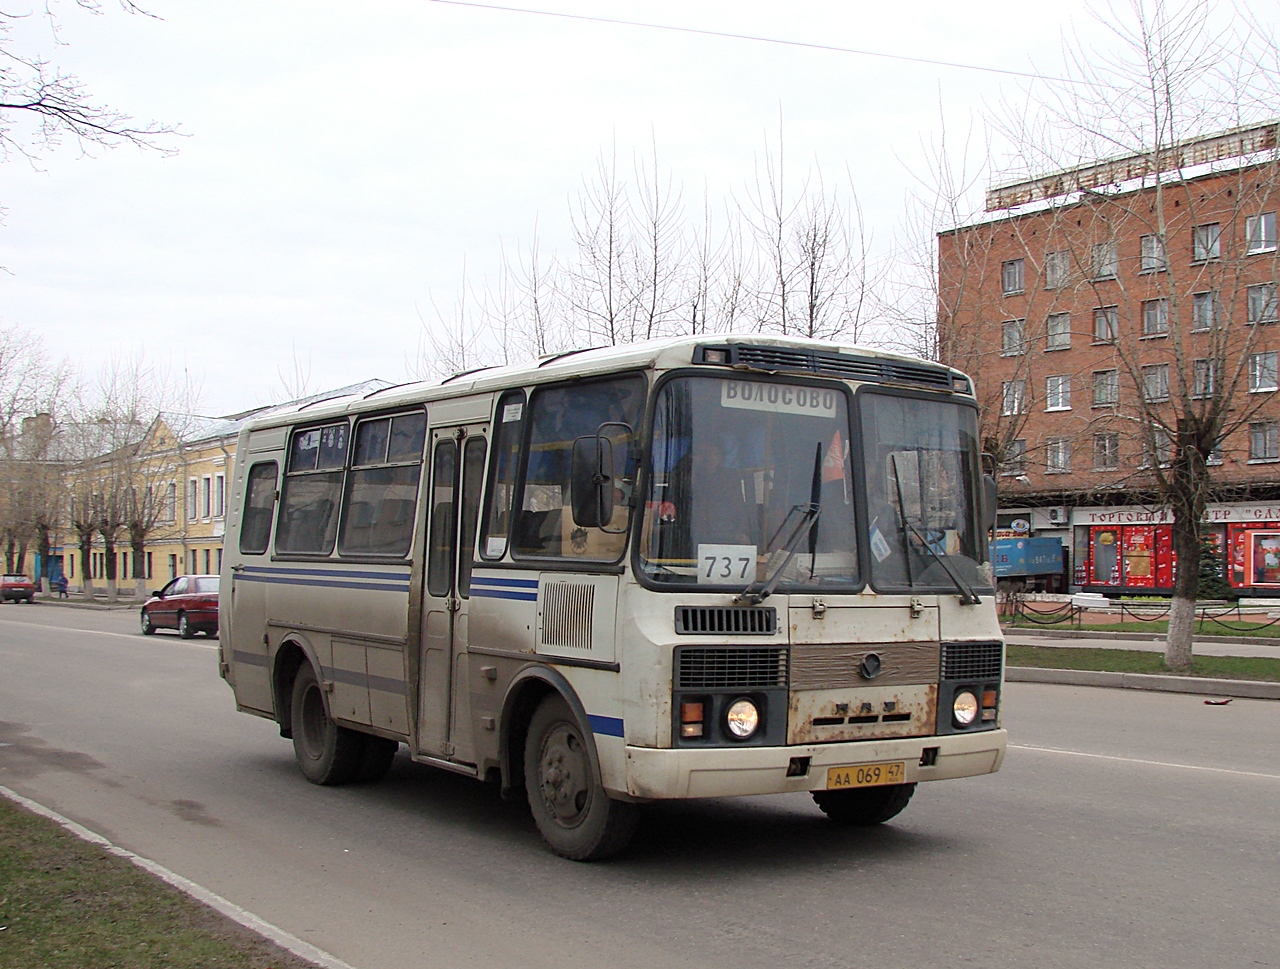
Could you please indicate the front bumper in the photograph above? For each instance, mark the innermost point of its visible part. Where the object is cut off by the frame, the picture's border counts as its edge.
(654, 774)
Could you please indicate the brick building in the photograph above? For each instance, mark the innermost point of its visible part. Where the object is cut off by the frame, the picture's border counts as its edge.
(1108, 311)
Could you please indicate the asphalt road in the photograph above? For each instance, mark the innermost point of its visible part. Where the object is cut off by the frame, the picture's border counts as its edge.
(1125, 829)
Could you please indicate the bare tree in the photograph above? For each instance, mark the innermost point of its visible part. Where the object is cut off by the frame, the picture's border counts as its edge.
(41, 104)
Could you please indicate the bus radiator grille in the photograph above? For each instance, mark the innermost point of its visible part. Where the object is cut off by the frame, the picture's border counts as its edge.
(730, 668)
(568, 614)
(722, 620)
(971, 661)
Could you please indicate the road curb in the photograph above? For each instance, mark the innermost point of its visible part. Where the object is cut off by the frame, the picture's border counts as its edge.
(1201, 686)
(286, 940)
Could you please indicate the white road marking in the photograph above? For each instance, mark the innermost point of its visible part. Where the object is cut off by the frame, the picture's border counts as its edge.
(1146, 763)
(304, 950)
(133, 637)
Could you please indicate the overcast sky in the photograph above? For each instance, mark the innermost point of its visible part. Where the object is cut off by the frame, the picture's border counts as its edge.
(342, 163)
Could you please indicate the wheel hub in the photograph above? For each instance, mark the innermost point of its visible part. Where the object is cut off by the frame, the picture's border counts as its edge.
(563, 775)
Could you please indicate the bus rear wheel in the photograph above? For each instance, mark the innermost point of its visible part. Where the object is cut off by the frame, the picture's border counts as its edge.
(864, 806)
(375, 759)
(575, 816)
(327, 753)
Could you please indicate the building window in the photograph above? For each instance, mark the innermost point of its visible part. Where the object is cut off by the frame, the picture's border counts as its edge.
(1057, 269)
(1057, 456)
(193, 487)
(1106, 451)
(1264, 441)
(1262, 303)
(1205, 311)
(1058, 331)
(1013, 397)
(1106, 260)
(1206, 378)
(1013, 338)
(1155, 382)
(1155, 317)
(1206, 242)
(1158, 448)
(1057, 392)
(1152, 254)
(1262, 372)
(1215, 456)
(206, 497)
(1011, 276)
(1106, 388)
(219, 495)
(173, 566)
(1106, 323)
(1015, 458)
(1260, 233)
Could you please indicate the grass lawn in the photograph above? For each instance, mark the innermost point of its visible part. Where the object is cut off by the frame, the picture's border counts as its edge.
(1141, 661)
(66, 904)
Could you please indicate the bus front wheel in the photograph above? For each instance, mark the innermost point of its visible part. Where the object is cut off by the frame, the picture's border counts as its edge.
(575, 816)
(864, 806)
(327, 753)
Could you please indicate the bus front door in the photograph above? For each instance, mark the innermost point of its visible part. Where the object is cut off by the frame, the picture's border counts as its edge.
(444, 707)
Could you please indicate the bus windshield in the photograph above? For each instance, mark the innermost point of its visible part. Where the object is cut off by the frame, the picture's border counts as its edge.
(921, 468)
(750, 481)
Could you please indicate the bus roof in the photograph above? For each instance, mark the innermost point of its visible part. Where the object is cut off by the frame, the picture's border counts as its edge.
(661, 354)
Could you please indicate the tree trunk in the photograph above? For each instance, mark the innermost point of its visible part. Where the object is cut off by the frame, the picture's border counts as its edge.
(86, 565)
(45, 549)
(109, 560)
(138, 544)
(1190, 479)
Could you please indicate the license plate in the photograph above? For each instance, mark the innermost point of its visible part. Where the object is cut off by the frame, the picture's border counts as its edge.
(866, 775)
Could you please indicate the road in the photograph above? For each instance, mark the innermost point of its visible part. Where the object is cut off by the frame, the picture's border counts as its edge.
(1126, 829)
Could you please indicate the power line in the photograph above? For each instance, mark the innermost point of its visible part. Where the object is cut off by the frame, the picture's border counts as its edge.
(762, 40)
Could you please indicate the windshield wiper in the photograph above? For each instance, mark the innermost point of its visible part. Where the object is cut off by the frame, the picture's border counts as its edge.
(806, 526)
(967, 596)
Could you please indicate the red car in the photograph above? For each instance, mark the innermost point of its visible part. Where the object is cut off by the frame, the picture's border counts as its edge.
(16, 588)
(188, 604)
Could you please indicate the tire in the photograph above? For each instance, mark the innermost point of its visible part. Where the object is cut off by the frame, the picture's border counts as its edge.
(574, 815)
(185, 629)
(147, 628)
(375, 759)
(865, 806)
(326, 753)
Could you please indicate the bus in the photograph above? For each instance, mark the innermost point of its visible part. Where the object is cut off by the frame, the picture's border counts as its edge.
(689, 568)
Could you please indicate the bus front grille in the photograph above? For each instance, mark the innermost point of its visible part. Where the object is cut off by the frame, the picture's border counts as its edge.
(971, 661)
(730, 668)
(751, 621)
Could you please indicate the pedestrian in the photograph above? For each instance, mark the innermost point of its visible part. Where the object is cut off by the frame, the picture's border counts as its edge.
(62, 586)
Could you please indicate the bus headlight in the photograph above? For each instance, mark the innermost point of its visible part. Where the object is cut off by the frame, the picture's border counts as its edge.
(965, 708)
(742, 719)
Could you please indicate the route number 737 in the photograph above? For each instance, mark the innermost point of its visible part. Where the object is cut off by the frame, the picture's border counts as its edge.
(726, 564)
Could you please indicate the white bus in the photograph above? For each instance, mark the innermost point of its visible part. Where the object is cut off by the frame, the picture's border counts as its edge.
(695, 567)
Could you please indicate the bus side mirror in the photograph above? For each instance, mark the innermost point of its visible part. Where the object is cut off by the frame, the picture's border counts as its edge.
(989, 501)
(591, 481)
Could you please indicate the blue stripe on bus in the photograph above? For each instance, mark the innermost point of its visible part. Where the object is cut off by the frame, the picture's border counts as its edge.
(260, 570)
(502, 594)
(332, 583)
(609, 726)
(497, 580)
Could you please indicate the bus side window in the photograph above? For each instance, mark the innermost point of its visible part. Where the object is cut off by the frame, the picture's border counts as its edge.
(507, 438)
(382, 486)
(312, 490)
(559, 415)
(260, 499)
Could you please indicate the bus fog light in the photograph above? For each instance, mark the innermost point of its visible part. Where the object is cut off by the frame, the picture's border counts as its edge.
(742, 718)
(965, 708)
